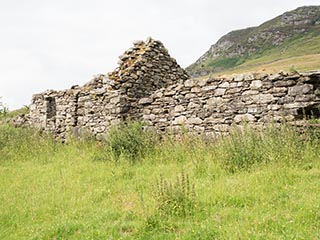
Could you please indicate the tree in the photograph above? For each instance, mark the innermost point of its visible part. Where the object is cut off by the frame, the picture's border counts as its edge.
(3, 108)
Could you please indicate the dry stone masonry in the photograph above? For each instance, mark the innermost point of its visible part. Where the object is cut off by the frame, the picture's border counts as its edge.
(213, 105)
(107, 99)
(150, 86)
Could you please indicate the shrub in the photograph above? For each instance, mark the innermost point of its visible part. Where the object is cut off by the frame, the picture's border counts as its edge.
(129, 140)
(3, 109)
(175, 199)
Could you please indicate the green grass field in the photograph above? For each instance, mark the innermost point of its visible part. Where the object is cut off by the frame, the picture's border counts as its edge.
(251, 185)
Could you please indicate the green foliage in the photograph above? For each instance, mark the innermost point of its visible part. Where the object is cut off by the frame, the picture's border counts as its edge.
(5, 114)
(285, 144)
(24, 145)
(242, 150)
(175, 199)
(128, 140)
(3, 109)
(292, 69)
(225, 63)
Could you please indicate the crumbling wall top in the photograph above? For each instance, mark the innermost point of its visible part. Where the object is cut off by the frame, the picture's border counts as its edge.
(147, 61)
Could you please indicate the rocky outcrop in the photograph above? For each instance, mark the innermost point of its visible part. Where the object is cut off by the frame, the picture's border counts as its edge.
(301, 17)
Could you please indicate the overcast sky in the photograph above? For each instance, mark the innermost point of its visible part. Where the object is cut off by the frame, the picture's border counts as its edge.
(54, 44)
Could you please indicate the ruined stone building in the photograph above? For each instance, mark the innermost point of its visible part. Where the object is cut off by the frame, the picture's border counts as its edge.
(108, 99)
(150, 86)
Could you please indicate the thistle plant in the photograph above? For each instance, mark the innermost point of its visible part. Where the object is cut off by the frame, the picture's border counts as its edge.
(175, 198)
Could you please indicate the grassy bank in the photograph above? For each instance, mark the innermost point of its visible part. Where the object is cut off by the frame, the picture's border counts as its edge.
(251, 185)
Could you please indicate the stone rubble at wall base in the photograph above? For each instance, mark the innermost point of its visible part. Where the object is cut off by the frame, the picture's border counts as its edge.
(151, 87)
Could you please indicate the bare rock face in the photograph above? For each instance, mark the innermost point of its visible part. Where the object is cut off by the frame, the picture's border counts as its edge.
(301, 16)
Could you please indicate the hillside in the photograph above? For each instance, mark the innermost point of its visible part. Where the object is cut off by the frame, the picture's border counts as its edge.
(288, 36)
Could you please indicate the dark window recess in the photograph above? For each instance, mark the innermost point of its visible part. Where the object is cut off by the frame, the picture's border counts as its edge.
(166, 111)
(309, 112)
(51, 107)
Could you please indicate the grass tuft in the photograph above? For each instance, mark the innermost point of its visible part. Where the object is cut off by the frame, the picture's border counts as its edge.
(129, 140)
(175, 198)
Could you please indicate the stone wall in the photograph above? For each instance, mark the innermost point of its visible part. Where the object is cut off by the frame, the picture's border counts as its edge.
(107, 99)
(212, 105)
(54, 111)
(150, 86)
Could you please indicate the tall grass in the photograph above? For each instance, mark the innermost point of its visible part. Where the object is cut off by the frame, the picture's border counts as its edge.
(25, 145)
(281, 145)
(252, 184)
(129, 140)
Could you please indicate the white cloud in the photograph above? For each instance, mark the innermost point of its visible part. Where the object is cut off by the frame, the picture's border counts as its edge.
(48, 44)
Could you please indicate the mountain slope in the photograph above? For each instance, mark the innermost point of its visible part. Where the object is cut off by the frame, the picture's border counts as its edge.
(295, 33)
